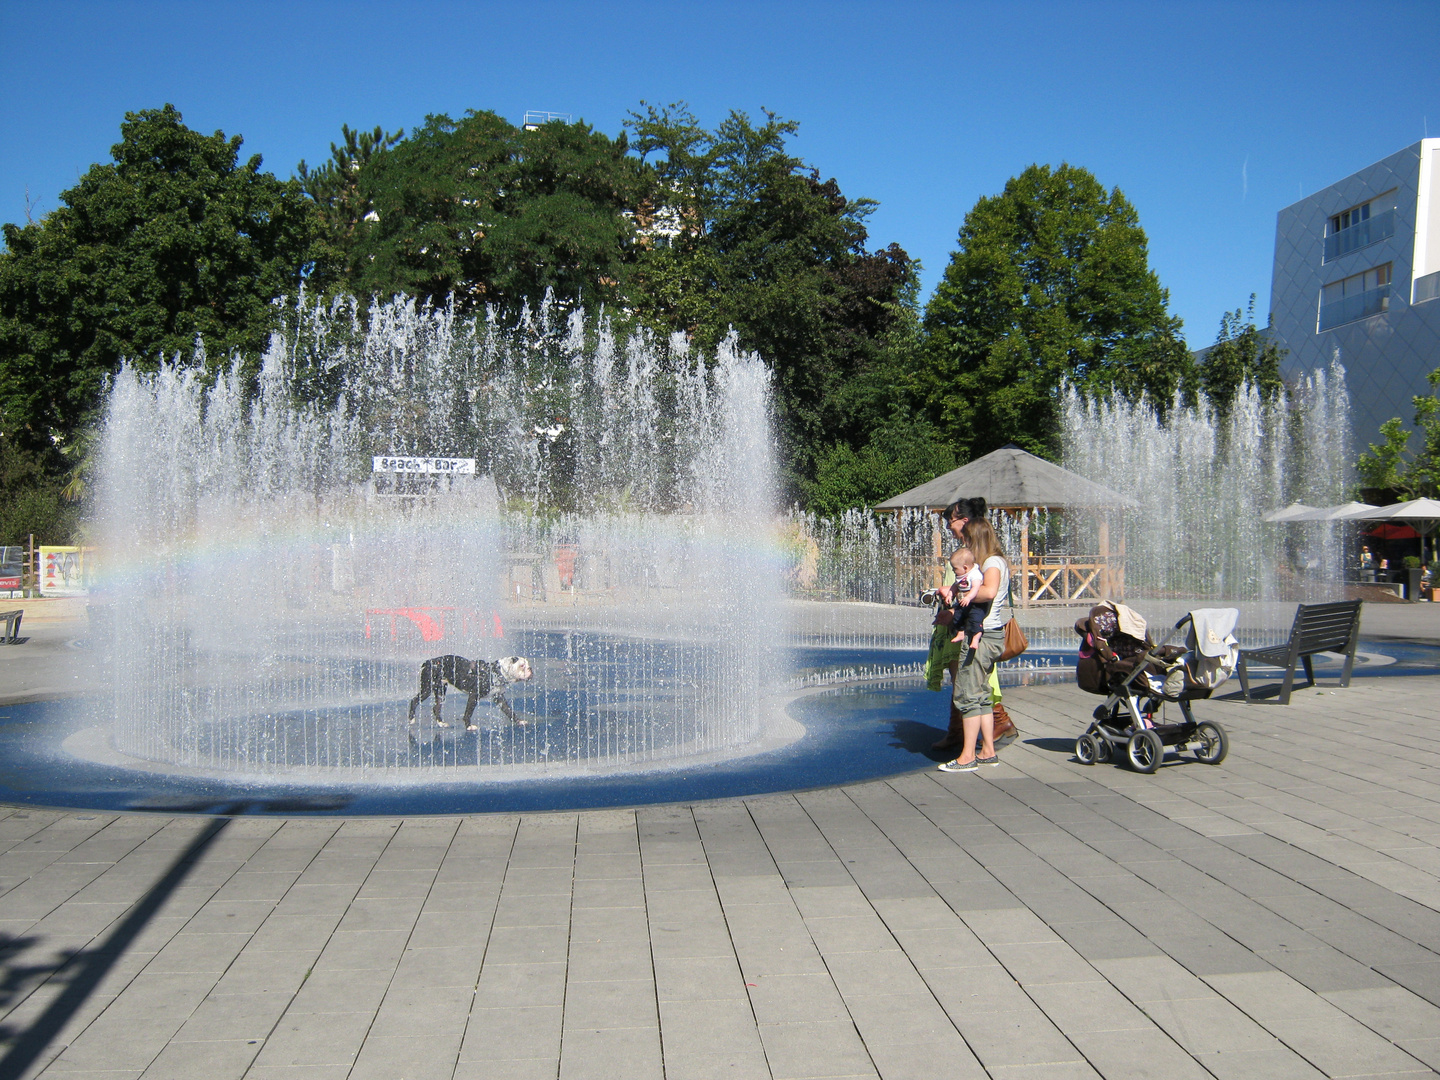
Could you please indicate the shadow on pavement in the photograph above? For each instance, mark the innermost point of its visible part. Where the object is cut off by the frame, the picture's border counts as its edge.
(1054, 746)
(915, 738)
(83, 971)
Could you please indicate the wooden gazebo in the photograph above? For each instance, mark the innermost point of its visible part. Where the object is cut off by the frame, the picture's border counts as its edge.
(1015, 482)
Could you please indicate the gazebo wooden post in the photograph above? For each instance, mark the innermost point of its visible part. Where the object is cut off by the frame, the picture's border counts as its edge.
(1025, 559)
(1106, 584)
(1120, 574)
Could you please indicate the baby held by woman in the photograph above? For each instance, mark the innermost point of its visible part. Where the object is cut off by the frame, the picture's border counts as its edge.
(971, 614)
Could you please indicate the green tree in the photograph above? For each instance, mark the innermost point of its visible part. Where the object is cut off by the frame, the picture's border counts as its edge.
(31, 503)
(1242, 354)
(761, 244)
(897, 456)
(173, 240)
(1051, 283)
(1392, 467)
(336, 188)
(483, 210)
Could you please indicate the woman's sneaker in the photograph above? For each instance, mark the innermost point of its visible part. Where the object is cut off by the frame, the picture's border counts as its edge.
(993, 759)
(958, 766)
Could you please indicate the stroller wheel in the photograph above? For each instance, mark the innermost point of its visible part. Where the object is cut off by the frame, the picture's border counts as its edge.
(1103, 754)
(1145, 751)
(1087, 749)
(1214, 743)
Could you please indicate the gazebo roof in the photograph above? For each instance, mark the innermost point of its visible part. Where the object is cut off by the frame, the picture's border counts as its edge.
(1009, 477)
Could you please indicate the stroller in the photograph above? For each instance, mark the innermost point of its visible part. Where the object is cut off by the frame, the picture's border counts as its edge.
(1120, 660)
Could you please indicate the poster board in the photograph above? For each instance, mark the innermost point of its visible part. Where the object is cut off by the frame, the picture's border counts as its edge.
(65, 570)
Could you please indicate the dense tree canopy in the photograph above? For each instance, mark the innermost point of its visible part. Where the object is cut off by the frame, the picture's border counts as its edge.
(763, 245)
(172, 240)
(481, 209)
(669, 224)
(1051, 282)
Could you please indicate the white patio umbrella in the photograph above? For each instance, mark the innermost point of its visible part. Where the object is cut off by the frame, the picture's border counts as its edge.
(1343, 512)
(1411, 512)
(1289, 513)
(1422, 515)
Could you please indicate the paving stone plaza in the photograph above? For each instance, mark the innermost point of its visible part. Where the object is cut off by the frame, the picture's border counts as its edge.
(1275, 917)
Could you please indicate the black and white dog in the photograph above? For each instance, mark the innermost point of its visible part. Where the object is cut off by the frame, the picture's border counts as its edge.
(477, 678)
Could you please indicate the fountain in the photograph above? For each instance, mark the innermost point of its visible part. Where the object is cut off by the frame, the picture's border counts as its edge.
(285, 546)
(1202, 483)
(286, 538)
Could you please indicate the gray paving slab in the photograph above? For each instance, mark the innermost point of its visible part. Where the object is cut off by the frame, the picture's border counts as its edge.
(1278, 916)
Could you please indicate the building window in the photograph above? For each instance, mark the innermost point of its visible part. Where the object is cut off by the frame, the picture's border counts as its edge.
(1427, 288)
(1356, 297)
(1360, 226)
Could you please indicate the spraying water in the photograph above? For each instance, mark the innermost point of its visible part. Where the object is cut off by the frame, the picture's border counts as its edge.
(278, 564)
(1203, 483)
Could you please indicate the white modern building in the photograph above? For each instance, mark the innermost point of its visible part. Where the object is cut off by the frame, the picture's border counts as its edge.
(1357, 278)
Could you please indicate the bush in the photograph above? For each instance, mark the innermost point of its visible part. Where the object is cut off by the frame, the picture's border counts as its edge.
(901, 454)
(30, 497)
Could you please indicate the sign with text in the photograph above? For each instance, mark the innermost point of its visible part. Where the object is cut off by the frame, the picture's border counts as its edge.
(445, 466)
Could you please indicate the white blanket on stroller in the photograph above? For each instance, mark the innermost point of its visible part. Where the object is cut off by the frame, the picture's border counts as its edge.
(1213, 652)
(1212, 631)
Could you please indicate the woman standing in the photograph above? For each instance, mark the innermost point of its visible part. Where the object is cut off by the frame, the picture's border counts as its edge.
(971, 696)
(956, 516)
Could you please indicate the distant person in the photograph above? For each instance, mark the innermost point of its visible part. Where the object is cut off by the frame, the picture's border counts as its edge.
(1367, 565)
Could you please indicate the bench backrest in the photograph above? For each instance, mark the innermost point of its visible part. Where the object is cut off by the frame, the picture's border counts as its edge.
(1325, 627)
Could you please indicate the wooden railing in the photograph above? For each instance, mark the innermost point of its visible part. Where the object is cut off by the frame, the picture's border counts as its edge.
(1077, 580)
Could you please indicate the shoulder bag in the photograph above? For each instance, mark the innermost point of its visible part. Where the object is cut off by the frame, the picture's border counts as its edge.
(1015, 641)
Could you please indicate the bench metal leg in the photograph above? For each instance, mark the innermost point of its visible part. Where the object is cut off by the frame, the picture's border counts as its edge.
(1288, 684)
(1309, 669)
(1244, 677)
(1350, 652)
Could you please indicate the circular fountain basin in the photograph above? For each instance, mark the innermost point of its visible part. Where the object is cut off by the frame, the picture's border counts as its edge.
(818, 736)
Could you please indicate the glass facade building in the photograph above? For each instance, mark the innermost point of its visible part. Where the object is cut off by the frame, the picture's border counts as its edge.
(1357, 278)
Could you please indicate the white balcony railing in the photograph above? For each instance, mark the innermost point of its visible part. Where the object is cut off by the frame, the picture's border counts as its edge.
(1361, 234)
(1360, 306)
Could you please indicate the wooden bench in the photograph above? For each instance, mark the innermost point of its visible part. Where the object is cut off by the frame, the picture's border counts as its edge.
(1318, 628)
(10, 620)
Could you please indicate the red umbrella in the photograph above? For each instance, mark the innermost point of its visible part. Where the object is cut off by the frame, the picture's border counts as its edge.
(1388, 531)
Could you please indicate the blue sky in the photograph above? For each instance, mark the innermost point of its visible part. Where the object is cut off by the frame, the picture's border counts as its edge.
(1210, 117)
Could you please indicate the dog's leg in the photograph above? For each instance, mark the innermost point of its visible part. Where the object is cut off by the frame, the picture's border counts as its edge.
(439, 701)
(470, 701)
(424, 690)
(499, 699)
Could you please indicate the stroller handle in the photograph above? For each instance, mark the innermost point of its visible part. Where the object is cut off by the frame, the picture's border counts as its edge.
(1153, 654)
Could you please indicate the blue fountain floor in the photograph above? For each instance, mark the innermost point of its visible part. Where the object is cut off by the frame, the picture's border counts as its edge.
(853, 732)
